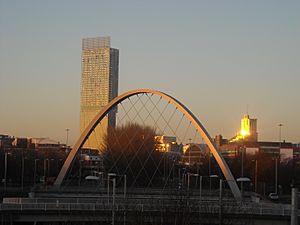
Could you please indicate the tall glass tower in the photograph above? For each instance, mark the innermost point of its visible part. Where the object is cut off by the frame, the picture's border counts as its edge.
(99, 85)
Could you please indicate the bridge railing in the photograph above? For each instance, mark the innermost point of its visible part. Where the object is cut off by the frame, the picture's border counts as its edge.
(153, 205)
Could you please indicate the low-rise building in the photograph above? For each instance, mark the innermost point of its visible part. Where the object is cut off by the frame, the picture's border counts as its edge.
(166, 144)
(193, 154)
(5, 140)
(283, 150)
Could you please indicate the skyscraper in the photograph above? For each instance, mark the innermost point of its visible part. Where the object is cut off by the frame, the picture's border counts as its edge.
(99, 85)
(249, 128)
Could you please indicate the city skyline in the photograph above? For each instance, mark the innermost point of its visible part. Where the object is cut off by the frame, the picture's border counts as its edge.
(216, 58)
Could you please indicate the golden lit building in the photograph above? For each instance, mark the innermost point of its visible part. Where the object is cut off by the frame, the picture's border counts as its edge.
(164, 143)
(248, 130)
(99, 85)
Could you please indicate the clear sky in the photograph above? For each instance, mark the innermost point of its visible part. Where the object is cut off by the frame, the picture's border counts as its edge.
(216, 57)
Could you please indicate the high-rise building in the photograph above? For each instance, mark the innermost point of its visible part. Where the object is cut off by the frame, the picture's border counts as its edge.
(249, 128)
(99, 85)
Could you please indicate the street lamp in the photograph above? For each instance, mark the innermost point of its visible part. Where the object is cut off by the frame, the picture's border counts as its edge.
(67, 130)
(47, 173)
(108, 177)
(200, 189)
(113, 175)
(280, 125)
(49, 167)
(125, 184)
(114, 198)
(244, 132)
(242, 180)
(182, 176)
(35, 172)
(190, 139)
(188, 178)
(201, 181)
(276, 159)
(211, 176)
(276, 173)
(22, 177)
(220, 201)
(255, 175)
(5, 169)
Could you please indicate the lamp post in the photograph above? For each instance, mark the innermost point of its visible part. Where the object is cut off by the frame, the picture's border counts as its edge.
(49, 167)
(67, 130)
(22, 176)
(212, 176)
(220, 201)
(35, 172)
(209, 171)
(5, 170)
(280, 125)
(201, 181)
(113, 175)
(108, 177)
(189, 175)
(182, 176)
(125, 184)
(242, 167)
(255, 179)
(190, 139)
(45, 169)
(276, 174)
(200, 189)
(276, 160)
(242, 172)
(114, 197)
(244, 133)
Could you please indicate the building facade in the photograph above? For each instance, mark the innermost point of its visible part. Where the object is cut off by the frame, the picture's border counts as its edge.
(99, 85)
(248, 130)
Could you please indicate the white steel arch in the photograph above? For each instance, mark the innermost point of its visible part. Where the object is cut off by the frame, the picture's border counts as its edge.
(189, 115)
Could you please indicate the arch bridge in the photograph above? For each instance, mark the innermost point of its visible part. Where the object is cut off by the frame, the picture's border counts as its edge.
(185, 111)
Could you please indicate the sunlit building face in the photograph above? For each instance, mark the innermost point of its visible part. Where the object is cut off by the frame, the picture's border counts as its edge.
(99, 85)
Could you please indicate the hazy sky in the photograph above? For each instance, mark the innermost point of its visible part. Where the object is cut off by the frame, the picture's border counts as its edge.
(216, 57)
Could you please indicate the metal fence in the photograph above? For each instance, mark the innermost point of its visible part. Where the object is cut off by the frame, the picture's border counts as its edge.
(149, 205)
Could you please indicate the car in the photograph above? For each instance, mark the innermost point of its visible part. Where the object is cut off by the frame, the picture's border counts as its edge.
(273, 196)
